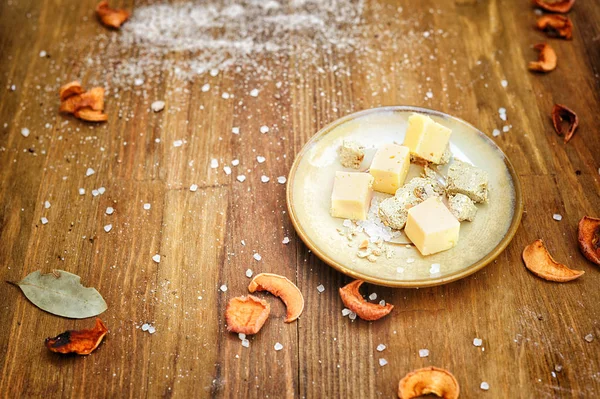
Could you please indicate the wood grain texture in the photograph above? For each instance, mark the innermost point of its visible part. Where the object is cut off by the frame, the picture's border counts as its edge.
(207, 238)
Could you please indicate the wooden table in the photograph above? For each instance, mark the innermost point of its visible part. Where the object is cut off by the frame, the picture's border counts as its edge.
(529, 326)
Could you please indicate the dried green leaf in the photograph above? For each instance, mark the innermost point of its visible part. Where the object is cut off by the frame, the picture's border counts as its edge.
(62, 294)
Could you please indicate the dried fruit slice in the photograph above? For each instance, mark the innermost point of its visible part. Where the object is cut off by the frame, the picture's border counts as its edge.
(246, 314)
(93, 99)
(428, 380)
(282, 288)
(546, 59)
(560, 114)
(82, 342)
(70, 89)
(540, 262)
(111, 17)
(90, 115)
(354, 301)
(560, 6)
(556, 26)
(589, 238)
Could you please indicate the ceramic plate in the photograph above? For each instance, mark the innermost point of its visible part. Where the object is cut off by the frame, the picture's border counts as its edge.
(481, 241)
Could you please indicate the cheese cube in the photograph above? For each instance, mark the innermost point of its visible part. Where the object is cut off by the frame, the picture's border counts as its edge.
(432, 227)
(426, 139)
(351, 196)
(389, 167)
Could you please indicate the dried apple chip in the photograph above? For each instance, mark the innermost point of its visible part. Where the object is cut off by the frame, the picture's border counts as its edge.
(428, 381)
(556, 25)
(111, 17)
(354, 301)
(589, 238)
(90, 115)
(246, 314)
(283, 288)
(546, 59)
(70, 89)
(560, 114)
(539, 261)
(93, 99)
(560, 6)
(82, 342)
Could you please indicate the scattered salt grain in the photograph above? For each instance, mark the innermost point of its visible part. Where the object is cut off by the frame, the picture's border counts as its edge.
(506, 128)
(254, 93)
(46, 204)
(138, 82)
(260, 159)
(157, 106)
(227, 170)
(553, 374)
(381, 347)
(264, 129)
(504, 82)
(194, 188)
(206, 87)
(235, 162)
(214, 163)
(110, 210)
(423, 352)
(245, 343)
(44, 220)
(249, 273)
(286, 240)
(382, 303)
(278, 346)
(145, 327)
(558, 368)
(43, 53)
(225, 96)
(484, 386)
(101, 190)
(320, 288)
(95, 193)
(81, 191)
(352, 316)
(373, 296)
(382, 362)
(257, 256)
(223, 288)
(435, 268)
(477, 341)
(151, 329)
(25, 132)
(147, 206)
(108, 227)
(557, 217)
(214, 72)
(242, 336)
(264, 179)
(156, 258)
(346, 312)
(281, 180)
(496, 133)
(589, 337)
(429, 94)
(177, 143)
(89, 172)
(241, 178)
(235, 130)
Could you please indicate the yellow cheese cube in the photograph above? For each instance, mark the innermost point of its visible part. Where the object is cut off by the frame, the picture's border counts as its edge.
(432, 227)
(389, 167)
(426, 139)
(351, 196)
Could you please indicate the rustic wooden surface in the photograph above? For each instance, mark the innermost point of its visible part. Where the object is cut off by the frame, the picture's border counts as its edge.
(528, 325)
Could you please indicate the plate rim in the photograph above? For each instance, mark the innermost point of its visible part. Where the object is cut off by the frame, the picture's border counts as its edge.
(473, 268)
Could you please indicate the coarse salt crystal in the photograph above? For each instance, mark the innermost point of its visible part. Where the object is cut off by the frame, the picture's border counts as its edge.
(245, 343)
(157, 106)
(382, 362)
(249, 273)
(423, 352)
(223, 288)
(281, 180)
(429, 94)
(89, 172)
(505, 128)
(43, 53)
(147, 206)
(321, 288)
(241, 336)
(346, 312)
(206, 87)
(101, 190)
(352, 316)
(557, 217)
(504, 83)
(46, 204)
(264, 129)
(589, 338)
(260, 159)
(485, 386)
(254, 93)
(286, 240)
(278, 346)
(496, 133)
(214, 72)
(435, 268)
(227, 170)
(177, 143)
(241, 178)
(214, 163)
(95, 193)
(477, 341)
(110, 210)
(264, 179)
(257, 256)
(108, 227)
(156, 258)
(138, 82)
(145, 327)
(235, 130)
(151, 329)
(25, 132)
(194, 188)
(225, 96)
(381, 347)
(235, 162)
(44, 220)
(81, 191)
(382, 303)
(373, 296)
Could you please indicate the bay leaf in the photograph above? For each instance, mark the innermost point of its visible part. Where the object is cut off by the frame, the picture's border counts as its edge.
(62, 294)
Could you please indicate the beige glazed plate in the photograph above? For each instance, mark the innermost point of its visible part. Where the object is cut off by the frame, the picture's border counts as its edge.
(481, 241)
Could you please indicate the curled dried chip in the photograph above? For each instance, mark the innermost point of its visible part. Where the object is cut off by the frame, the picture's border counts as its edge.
(556, 25)
(283, 288)
(546, 59)
(354, 301)
(426, 381)
(93, 99)
(560, 6)
(70, 89)
(246, 314)
(589, 238)
(539, 261)
(82, 342)
(111, 17)
(90, 115)
(560, 114)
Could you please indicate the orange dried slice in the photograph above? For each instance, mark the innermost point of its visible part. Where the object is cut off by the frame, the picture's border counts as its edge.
(354, 301)
(90, 115)
(82, 342)
(556, 26)
(93, 99)
(111, 17)
(283, 288)
(546, 59)
(589, 238)
(539, 261)
(70, 89)
(426, 381)
(561, 113)
(246, 314)
(560, 6)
